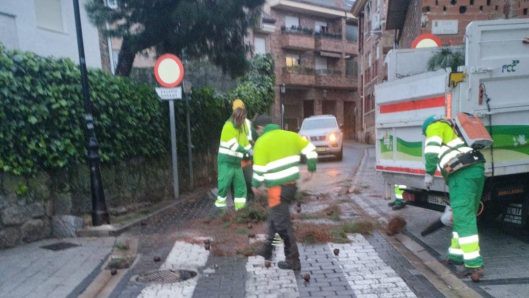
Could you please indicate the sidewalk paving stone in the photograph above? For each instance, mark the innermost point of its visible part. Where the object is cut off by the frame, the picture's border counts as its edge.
(32, 271)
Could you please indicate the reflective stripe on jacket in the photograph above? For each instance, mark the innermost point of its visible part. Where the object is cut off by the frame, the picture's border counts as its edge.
(442, 145)
(277, 155)
(233, 143)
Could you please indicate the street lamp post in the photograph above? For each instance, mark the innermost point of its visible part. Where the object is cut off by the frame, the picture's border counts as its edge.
(99, 207)
(282, 90)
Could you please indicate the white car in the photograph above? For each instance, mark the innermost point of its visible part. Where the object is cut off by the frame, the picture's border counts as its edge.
(323, 132)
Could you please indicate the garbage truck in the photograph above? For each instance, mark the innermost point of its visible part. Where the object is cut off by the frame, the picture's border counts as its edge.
(493, 84)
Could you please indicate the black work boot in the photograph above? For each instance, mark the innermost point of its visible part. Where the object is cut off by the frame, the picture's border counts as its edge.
(289, 265)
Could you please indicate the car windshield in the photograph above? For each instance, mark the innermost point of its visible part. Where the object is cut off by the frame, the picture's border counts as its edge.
(319, 123)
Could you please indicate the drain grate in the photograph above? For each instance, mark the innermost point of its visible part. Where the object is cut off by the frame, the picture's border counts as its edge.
(59, 246)
(165, 276)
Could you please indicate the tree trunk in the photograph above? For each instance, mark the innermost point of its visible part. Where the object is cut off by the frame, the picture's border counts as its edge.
(125, 58)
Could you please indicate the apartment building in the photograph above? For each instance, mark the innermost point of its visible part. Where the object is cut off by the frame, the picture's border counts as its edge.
(385, 24)
(47, 28)
(314, 46)
(373, 44)
(447, 19)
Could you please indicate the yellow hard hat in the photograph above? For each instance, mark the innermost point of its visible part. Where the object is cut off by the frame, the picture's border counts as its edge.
(237, 103)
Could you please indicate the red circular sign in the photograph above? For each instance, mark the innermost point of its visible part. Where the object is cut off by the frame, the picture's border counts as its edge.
(169, 71)
(426, 41)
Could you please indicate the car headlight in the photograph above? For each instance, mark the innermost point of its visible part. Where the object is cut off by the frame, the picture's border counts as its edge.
(332, 137)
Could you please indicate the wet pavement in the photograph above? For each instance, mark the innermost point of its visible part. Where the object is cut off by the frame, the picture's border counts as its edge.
(367, 266)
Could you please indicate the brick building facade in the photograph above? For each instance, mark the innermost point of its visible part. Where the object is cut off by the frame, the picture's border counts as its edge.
(373, 44)
(314, 46)
(384, 24)
(447, 19)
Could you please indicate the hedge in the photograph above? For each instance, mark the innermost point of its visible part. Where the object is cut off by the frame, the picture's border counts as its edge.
(42, 113)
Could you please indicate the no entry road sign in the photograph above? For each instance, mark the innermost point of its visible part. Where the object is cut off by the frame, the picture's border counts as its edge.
(169, 71)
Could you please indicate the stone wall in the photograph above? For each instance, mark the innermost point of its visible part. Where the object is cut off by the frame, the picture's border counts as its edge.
(28, 205)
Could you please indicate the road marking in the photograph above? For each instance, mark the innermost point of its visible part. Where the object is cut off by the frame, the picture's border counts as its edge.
(184, 256)
(367, 274)
(272, 281)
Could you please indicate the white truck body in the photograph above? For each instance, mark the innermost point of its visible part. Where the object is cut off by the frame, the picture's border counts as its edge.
(497, 63)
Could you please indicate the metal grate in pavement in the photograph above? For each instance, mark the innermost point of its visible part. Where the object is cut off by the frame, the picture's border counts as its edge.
(165, 276)
(59, 246)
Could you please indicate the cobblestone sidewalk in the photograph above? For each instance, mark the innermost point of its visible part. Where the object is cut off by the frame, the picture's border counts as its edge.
(33, 271)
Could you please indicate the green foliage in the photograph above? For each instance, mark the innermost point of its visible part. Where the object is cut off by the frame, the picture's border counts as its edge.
(446, 58)
(256, 88)
(204, 28)
(42, 115)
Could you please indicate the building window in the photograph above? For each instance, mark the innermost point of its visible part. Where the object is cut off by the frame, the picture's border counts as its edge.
(293, 60)
(320, 27)
(351, 33)
(49, 14)
(115, 56)
(291, 21)
(8, 31)
(260, 45)
(351, 67)
(320, 64)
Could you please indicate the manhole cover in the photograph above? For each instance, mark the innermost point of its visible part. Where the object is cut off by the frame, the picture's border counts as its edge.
(165, 276)
(59, 246)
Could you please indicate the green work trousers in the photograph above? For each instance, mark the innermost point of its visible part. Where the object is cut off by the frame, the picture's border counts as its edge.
(465, 188)
(231, 174)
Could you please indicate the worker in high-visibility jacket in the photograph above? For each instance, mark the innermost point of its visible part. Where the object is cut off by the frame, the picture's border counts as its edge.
(463, 171)
(246, 162)
(398, 203)
(276, 164)
(233, 146)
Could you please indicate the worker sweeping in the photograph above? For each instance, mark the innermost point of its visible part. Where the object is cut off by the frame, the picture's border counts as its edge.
(246, 162)
(276, 164)
(463, 171)
(233, 146)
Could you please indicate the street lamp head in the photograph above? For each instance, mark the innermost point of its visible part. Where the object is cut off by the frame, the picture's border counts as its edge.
(282, 88)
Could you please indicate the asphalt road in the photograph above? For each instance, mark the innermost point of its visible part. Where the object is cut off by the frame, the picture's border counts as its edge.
(506, 255)
(505, 251)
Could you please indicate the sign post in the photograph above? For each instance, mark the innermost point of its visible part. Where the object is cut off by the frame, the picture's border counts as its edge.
(169, 73)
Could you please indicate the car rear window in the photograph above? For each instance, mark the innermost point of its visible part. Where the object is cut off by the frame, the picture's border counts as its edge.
(319, 123)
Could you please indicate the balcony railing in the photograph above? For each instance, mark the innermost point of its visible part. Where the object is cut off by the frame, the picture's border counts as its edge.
(326, 34)
(328, 72)
(306, 76)
(333, 78)
(297, 30)
(298, 75)
(298, 69)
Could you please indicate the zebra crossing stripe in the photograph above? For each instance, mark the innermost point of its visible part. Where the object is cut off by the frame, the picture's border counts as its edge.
(183, 256)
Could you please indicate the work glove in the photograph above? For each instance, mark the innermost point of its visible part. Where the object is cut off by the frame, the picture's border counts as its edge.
(428, 181)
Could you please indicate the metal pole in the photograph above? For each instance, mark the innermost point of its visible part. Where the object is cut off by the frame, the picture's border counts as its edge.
(99, 207)
(189, 140)
(282, 107)
(173, 149)
(188, 124)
